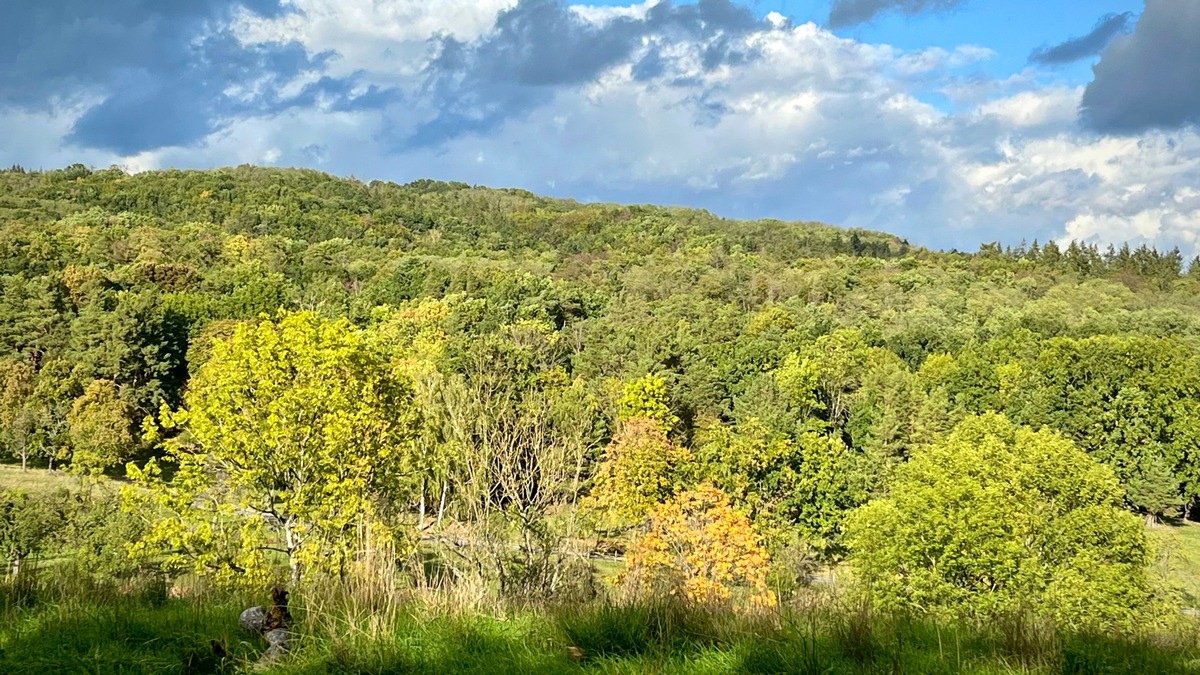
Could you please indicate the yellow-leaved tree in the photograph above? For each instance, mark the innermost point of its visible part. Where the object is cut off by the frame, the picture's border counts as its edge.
(293, 432)
(98, 425)
(639, 471)
(640, 466)
(647, 397)
(700, 549)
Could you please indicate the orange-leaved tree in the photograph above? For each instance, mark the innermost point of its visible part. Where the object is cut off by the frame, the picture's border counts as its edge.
(700, 549)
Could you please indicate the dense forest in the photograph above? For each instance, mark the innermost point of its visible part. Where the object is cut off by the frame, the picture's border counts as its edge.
(292, 373)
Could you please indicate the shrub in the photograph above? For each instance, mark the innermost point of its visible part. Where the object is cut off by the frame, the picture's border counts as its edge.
(1000, 519)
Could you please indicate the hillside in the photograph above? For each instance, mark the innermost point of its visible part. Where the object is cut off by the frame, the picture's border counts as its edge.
(125, 278)
(462, 398)
(642, 288)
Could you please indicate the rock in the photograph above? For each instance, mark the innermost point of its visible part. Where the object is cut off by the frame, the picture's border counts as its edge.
(280, 637)
(273, 624)
(280, 641)
(253, 619)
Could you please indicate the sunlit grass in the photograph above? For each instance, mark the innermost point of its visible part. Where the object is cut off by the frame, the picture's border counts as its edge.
(36, 480)
(1184, 541)
(62, 627)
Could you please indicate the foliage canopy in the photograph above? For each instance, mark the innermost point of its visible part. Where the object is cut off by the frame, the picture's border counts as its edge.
(293, 428)
(999, 519)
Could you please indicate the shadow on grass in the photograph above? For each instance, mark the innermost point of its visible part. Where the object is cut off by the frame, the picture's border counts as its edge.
(672, 639)
(918, 647)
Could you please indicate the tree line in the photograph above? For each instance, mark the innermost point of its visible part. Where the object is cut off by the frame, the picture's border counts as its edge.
(300, 371)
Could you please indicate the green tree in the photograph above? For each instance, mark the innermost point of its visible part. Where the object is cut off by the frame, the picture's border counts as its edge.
(1127, 401)
(999, 519)
(789, 485)
(133, 340)
(20, 416)
(57, 387)
(99, 428)
(823, 379)
(28, 525)
(640, 469)
(295, 429)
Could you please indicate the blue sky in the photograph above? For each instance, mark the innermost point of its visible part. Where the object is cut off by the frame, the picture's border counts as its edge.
(950, 122)
(1013, 29)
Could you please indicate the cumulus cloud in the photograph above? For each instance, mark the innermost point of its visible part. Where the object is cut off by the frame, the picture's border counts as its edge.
(1100, 189)
(388, 41)
(540, 45)
(1055, 108)
(1108, 27)
(846, 13)
(159, 70)
(705, 104)
(1151, 78)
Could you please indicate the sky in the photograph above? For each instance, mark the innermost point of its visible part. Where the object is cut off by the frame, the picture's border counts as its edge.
(949, 122)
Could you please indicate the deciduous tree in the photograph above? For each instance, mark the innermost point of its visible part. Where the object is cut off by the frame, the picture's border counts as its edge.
(999, 519)
(19, 412)
(640, 469)
(700, 549)
(99, 428)
(293, 429)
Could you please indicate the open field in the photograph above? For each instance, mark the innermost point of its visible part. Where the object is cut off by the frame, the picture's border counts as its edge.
(35, 480)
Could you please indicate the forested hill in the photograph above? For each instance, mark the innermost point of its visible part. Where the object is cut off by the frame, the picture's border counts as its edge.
(309, 206)
(761, 330)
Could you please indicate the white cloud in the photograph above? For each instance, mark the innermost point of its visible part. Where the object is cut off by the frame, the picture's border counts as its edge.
(600, 14)
(936, 58)
(388, 38)
(34, 138)
(811, 126)
(1057, 106)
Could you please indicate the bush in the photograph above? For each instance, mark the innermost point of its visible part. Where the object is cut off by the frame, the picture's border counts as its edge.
(999, 520)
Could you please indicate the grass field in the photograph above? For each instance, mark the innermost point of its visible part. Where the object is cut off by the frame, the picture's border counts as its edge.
(145, 632)
(1184, 548)
(35, 480)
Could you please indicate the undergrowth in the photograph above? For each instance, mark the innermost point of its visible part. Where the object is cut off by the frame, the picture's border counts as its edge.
(64, 623)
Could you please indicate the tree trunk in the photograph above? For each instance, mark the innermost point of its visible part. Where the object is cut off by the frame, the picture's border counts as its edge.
(16, 565)
(292, 546)
(423, 490)
(24, 462)
(442, 504)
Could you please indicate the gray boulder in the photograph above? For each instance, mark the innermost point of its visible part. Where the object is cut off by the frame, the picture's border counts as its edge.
(254, 619)
(280, 641)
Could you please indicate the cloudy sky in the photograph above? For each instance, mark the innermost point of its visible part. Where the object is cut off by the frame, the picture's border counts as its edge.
(950, 122)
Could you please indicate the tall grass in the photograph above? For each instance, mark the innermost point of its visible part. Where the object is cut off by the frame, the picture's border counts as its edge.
(64, 623)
